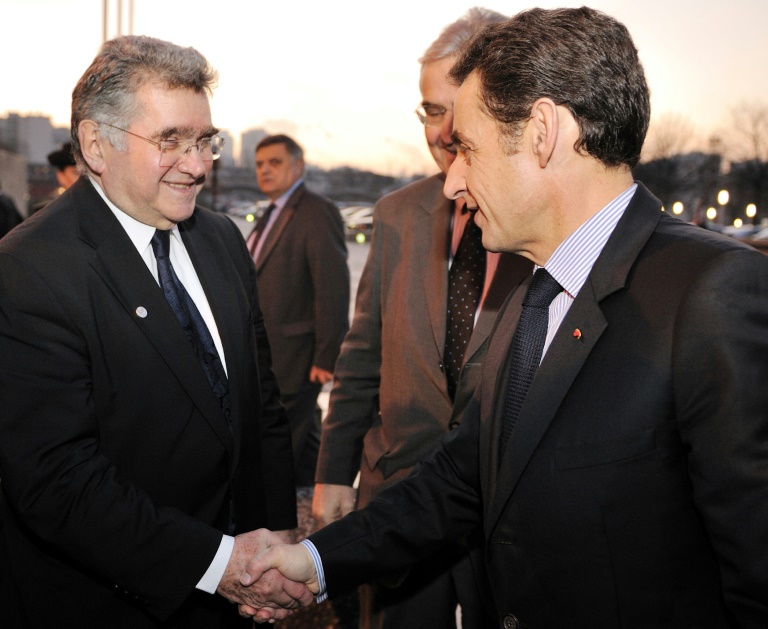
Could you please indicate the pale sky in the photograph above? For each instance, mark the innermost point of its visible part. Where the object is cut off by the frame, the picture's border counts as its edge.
(341, 76)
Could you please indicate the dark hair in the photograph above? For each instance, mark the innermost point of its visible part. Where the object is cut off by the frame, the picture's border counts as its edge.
(291, 145)
(107, 90)
(580, 58)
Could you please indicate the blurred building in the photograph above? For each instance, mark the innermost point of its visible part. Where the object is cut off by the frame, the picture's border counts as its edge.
(248, 141)
(32, 136)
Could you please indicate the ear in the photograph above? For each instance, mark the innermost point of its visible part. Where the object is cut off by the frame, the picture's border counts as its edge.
(545, 125)
(91, 145)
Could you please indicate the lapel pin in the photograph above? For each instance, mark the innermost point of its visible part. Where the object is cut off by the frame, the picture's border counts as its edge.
(141, 311)
(577, 334)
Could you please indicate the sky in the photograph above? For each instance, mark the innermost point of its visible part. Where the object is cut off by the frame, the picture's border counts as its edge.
(341, 76)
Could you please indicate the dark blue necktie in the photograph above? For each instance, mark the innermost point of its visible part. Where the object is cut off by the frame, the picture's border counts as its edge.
(191, 321)
(465, 286)
(526, 348)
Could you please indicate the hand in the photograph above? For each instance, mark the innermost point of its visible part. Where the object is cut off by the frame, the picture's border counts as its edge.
(319, 375)
(293, 562)
(332, 502)
(276, 594)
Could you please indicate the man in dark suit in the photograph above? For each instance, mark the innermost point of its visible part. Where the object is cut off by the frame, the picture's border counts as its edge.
(9, 215)
(395, 395)
(301, 268)
(135, 454)
(629, 486)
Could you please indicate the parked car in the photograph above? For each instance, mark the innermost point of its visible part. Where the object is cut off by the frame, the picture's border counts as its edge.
(358, 223)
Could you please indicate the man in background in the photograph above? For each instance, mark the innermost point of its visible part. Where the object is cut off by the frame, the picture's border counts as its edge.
(301, 269)
(141, 433)
(9, 214)
(614, 453)
(412, 358)
(66, 167)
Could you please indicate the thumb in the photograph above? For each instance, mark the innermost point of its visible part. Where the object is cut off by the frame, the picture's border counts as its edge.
(256, 567)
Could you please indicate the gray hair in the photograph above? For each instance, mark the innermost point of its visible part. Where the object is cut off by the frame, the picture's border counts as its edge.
(455, 35)
(107, 90)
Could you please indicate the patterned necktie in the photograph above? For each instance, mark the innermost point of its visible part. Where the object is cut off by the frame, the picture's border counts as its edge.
(526, 348)
(191, 321)
(261, 225)
(465, 286)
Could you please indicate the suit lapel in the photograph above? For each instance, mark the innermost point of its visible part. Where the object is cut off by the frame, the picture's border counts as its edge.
(121, 267)
(565, 357)
(281, 222)
(218, 279)
(436, 275)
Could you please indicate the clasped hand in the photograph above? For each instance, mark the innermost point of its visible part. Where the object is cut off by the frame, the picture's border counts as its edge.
(270, 595)
(280, 576)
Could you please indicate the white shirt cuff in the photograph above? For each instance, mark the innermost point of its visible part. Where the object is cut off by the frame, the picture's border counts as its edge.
(215, 572)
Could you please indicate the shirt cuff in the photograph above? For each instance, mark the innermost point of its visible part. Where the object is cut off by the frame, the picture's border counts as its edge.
(322, 594)
(215, 572)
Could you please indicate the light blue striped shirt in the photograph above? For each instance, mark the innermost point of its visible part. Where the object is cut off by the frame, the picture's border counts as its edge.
(572, 261)
(570, 265)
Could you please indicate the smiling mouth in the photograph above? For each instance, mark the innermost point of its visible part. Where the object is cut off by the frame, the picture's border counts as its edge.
(186, 185)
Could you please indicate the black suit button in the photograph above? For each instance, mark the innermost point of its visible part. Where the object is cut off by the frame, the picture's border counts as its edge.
(510, 622)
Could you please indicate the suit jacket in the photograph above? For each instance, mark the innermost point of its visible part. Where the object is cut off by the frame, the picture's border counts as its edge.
(390, 399)
(634, 491)
(118, 467)
(304, 287)
(9, 215)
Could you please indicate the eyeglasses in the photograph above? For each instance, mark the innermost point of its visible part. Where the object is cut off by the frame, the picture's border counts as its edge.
(173, 151)
(431, 115)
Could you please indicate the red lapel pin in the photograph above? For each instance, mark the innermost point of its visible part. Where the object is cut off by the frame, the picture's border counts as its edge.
(577, 334)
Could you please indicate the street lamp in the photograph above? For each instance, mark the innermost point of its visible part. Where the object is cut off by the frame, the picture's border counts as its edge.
(751, 211)
(711, 213)
(677, 208)
(722, 199)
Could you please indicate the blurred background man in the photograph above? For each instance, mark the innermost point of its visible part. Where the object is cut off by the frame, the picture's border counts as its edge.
(64, 163)
(301, 269)
(412, 358)
(9, 214)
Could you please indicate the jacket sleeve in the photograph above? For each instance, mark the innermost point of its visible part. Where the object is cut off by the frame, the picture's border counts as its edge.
(354, 398)
(411, 519)
(327, 259)
(720, 356)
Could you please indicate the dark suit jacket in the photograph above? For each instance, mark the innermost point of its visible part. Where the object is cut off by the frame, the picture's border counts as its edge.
(117, 464)
(304, 287)
(9, 215)
(634, 492)
(390, 399)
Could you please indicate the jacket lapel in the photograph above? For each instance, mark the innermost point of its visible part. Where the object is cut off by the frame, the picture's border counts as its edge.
(121, 267)
(281, 222)
(565, 356)
(436, 275)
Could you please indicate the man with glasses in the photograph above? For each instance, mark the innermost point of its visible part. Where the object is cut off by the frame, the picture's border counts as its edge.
(141, 434)
(410, 362)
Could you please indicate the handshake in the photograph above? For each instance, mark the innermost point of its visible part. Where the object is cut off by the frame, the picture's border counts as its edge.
(268, 578)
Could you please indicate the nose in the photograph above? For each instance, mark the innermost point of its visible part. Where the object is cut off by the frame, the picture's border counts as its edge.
(455, 182)
(193, 164)
(446, 129)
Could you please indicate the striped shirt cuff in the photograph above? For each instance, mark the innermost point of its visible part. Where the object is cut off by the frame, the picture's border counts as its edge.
(322, 594)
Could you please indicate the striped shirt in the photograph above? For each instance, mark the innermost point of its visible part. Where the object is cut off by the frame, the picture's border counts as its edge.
(572, 261)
